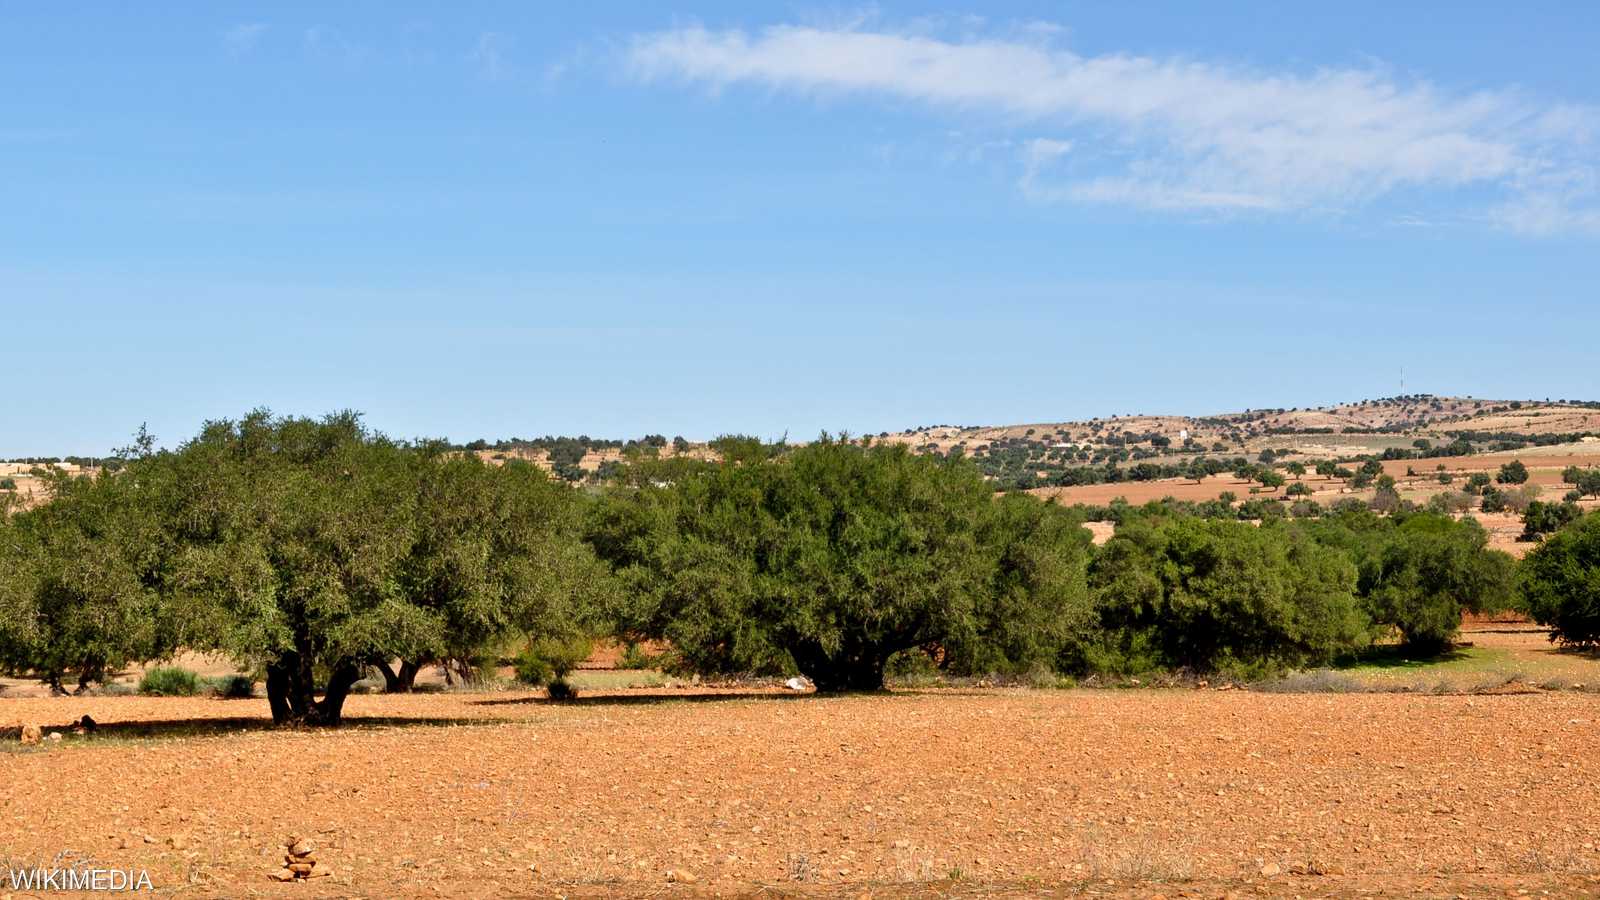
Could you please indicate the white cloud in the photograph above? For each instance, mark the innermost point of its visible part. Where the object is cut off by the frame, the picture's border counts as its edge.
(1175, 133)
(327, 43)
(489, 55)
(242, 38)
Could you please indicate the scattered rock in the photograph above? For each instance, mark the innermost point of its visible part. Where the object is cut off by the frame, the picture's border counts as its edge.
(55, 737)
(31, 734)
(681, 876)
(1270, 869)
(281, 875)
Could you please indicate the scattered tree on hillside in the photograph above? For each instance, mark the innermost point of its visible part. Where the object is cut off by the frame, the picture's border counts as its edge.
(1513, 472)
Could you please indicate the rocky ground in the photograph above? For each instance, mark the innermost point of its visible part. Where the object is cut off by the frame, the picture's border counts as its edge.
(940, 793)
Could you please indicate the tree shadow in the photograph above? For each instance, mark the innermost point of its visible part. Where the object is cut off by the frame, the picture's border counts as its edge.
(1582, 651)
(643, 699)
(165, 729)
(1402, 657)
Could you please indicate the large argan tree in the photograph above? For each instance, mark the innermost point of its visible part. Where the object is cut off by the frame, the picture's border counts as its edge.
(826, 559)
(312, 549)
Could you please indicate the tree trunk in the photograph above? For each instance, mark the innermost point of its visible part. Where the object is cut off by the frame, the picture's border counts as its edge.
(278, 694)
(403, 681)
(291, 692)
(331, 706)
(848, 670)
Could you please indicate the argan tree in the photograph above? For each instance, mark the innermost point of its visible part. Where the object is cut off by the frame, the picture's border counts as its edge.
(1513, 472)
(826, 559)
(1559, 583)
(1211, 594)
(496, 555)
(312, 549)
(80, 581)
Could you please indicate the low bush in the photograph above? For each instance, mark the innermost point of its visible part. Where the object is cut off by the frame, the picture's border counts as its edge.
(548, 661)
(232, 687)
(634, 657)
(170, 681)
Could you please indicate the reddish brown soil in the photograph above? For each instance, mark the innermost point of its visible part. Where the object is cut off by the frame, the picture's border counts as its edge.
(948, 793)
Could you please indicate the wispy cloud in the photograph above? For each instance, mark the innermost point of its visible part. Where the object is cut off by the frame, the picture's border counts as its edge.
(489, 55)
(1170, 133)
(328, 43)
(242, 38)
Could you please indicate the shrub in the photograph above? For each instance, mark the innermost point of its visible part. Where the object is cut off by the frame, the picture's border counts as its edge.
(1545, 518)
(8, 484)
(634, 657)
(233, 687)
(170, 681)
(548, 661)
(1560, 583)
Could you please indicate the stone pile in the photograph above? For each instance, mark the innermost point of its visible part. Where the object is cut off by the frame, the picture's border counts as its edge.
(300, 862)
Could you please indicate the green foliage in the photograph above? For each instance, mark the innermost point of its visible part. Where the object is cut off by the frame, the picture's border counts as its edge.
(1035, 610)
(1546, 518)
(1205, 595)
(1560, 583)
(78, 583)
(1493, 500)
(1513, 472)
(170, 681)
(8, 484)
(634, 657)
(550, 660)
(1586, 482)
(828, 559)
(1420, 576)
(308, 549)
(233, 687)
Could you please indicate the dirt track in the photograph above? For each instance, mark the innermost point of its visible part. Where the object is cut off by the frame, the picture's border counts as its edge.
(953, 792)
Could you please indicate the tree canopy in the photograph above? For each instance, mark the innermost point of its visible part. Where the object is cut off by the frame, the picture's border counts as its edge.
(830, 558)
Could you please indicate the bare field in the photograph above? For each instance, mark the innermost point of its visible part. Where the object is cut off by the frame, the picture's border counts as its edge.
(938, 793)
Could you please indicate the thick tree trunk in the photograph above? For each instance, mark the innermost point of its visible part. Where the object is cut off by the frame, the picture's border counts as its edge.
(331, 706)
(848, 670)
(403, 681)
(291, 692)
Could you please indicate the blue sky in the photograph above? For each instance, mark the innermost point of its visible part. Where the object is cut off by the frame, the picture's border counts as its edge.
(517, 220)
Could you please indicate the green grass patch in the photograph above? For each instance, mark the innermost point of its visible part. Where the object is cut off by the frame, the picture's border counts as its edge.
(617, 679)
